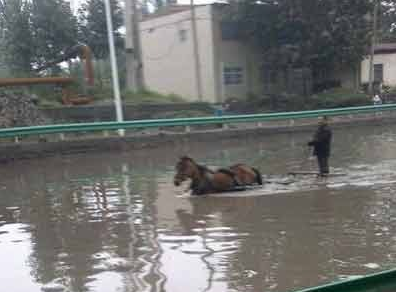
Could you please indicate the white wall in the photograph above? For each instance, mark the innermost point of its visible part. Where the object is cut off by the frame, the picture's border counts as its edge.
(168, 62)
(389, 64)
(206, 44)
(169, 65)
(235, 53)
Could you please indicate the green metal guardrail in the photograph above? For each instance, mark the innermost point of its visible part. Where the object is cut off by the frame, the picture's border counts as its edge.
(102, 126)
(380, 282)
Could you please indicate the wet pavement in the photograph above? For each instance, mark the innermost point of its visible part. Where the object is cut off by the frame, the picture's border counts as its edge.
(115, 222)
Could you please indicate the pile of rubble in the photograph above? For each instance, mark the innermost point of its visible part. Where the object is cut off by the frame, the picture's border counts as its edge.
(19, 110)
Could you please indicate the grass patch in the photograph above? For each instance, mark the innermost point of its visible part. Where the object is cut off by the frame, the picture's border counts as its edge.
(152, 97)
(48, 98)
(182, 114)
(334, 98)
(340, 97)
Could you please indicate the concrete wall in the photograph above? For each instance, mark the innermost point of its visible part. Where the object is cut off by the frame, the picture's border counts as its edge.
(235, 53)
(169, 65)
(389, 64)
(168, 60)
(102, 113)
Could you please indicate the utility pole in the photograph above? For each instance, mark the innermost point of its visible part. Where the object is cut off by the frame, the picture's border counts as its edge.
(114, 69)
(373, 43)
(138, 46)
(135, 80)
(196, 51)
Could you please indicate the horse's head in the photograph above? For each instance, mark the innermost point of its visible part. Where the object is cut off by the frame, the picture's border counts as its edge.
(185, 169)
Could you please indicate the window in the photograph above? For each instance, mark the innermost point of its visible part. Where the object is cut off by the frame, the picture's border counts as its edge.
(232, 75)
(378, 72)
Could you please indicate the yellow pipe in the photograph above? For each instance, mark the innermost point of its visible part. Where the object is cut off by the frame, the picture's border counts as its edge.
(36, 80)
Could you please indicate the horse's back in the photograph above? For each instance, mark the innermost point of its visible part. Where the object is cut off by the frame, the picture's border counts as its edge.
(223, 179)
(246, 174)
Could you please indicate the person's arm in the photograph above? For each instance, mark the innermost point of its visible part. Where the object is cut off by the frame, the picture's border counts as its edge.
(314, 141)
(321, 136)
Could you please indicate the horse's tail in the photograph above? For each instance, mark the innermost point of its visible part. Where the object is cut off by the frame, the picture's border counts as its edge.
(259, 178)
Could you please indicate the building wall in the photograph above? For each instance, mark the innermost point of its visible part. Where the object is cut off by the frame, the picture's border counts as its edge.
(168, 62)
(168, 56)
(206, 44)
(389, 66)
(234, 53)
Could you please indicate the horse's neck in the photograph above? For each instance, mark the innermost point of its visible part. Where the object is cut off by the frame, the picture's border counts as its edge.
(198, 173)
(201, 174)
(203, 169)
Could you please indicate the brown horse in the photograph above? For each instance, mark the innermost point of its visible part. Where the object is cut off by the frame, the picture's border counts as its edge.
(205, 180)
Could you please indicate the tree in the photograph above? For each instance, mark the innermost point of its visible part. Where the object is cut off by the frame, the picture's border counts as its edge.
(54, 29)
(93, 28)
(35, 32)
(306, 33)
(16, 36)
(387, 21)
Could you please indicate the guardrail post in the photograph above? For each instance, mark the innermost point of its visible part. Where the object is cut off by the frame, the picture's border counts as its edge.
(62, 136)
(187, 129)
(259, 124)
(225, 127)
(105, 133)
(16, 139)
(291, 122)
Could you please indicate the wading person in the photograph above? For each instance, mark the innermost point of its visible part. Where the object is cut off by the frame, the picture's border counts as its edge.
(321, 144)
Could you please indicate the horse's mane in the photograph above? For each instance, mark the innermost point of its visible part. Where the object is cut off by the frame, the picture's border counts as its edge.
(187, 158)
(202, 168)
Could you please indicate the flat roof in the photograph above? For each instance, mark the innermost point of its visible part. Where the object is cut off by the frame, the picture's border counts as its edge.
(385, 48)
(168, 10)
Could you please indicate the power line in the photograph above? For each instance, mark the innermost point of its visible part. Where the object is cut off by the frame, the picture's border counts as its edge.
(154, 27)
(172, 45)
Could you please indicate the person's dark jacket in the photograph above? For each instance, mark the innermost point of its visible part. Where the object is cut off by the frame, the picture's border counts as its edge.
(321, 141)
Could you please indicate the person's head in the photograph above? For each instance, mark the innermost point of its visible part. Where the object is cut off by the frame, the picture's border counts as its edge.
(323, 121)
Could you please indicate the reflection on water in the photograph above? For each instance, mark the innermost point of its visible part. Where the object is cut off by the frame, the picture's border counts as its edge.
(116, 223)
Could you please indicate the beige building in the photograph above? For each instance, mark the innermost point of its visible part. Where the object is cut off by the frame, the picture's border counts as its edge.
(384, 65)
(227, 68)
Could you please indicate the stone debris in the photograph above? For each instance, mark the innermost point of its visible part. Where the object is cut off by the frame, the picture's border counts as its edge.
(19, 110)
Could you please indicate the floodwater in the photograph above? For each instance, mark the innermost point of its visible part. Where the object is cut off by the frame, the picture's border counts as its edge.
(114, 222)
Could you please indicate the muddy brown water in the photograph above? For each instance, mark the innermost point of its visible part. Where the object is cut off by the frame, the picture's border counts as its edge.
(115, 222)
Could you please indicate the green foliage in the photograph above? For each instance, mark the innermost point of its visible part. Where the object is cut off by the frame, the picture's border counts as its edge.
(54, 29)
(93, 29)
(183, 114)
(340, 97)
(387, 21)
(34, 32)
(334, 98)
(16, 36)
(148, 96)
(307, 33)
